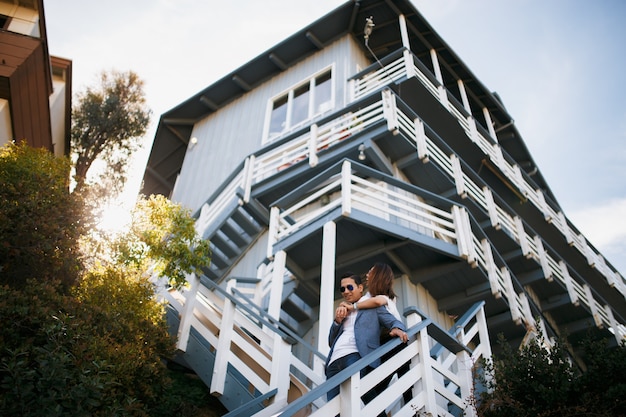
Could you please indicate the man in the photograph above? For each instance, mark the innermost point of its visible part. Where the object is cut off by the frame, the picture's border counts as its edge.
(355, 334)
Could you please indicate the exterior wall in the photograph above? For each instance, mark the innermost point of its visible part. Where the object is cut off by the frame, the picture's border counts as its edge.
(227, 137)
(6, 133)
(255, 255)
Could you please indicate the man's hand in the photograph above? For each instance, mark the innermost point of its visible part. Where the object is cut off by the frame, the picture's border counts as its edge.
(395, 332)
(340, 314)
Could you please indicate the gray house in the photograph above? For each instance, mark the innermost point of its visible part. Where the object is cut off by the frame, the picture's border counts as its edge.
(364, 138)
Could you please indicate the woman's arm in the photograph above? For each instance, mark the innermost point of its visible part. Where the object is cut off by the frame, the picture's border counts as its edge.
(373, 302)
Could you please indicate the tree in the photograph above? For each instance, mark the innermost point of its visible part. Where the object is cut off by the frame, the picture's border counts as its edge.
(162, 236)
(108, 123)
(40, 222)
(97, 347)
(542, 382)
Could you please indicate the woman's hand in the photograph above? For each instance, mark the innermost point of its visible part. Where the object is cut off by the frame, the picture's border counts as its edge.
(347, 306)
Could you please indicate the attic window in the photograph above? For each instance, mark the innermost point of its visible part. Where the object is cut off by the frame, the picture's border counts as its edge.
(300, 104)
(4, 21)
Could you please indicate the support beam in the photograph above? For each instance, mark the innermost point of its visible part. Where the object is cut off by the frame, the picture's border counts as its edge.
(277, 61)
(209, 103)
(314, 40)
(241, 83)
(327, 289)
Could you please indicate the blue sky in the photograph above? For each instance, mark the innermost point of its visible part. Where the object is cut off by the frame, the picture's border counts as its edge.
(557, 65)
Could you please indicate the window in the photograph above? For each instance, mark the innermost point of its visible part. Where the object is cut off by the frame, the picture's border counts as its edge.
(301, 103)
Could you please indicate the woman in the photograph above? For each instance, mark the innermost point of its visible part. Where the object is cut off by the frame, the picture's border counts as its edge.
(380, 288)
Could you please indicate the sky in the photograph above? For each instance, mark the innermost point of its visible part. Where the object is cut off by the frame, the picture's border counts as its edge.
(557, 65)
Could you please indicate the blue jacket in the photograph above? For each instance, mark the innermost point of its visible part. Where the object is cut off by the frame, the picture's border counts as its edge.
(367, 328)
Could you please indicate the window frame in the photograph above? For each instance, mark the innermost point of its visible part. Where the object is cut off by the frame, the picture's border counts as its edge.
(289, 94)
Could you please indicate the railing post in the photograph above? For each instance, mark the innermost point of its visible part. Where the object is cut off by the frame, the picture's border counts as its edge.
(458, 176)
(521, 236)
(222, 350)
(466, 379)
(187, 313)
(390, 111)
(573, 295)
(313, 158)
(491, 208)
(489, 123)
(280, 368)
(492, 270)
(464, 234)
(592, 306)
(327, 291)
(511, 296)
(248, 176)
(443, 97)
(272, 232)
(351, 90)
(420, 140)
(276, 293)
(543, 259)
(202, 222)
(350, 396)
(409, 67)
(346, 191)
(430, 400)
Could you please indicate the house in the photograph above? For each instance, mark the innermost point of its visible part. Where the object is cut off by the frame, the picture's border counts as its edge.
(364, 138)
(35, 87)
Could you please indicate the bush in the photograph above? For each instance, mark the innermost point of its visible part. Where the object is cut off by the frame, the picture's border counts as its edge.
(40, 221)
(540, 382)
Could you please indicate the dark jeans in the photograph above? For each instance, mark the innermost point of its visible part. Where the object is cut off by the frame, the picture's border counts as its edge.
(337, 366)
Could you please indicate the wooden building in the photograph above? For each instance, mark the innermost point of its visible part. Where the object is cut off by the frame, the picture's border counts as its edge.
(336, 149)
(35, 88)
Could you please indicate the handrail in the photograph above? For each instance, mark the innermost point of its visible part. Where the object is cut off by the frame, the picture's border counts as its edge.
(244, 409)
(264, 318)
(353, 369)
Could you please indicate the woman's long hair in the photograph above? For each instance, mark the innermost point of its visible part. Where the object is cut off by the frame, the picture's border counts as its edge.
(380, 280)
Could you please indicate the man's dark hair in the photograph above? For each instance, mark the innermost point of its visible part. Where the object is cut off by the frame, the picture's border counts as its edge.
(349, 274)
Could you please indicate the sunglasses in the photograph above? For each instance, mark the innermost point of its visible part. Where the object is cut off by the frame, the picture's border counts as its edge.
(348, 287)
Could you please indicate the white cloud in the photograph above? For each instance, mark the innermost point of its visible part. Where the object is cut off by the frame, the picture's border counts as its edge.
(604, 226)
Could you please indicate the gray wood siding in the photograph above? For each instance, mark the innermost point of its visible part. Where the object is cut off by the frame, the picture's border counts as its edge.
(228, 136)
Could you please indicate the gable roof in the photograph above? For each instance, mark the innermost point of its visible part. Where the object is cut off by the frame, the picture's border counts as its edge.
(176, 125)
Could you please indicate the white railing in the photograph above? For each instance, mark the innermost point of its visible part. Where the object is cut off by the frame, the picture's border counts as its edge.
(495, 154)
(440, 374)
(372, 197)
(379, 78)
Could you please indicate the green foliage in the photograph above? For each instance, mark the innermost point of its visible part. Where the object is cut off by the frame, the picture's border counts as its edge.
(76, 342)
(163, 236)
(40, 222)
(108, 123)
(540, 382)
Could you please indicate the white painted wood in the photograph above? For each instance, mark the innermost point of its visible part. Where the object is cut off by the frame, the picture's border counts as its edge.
(404, 32)
(187, 313)
(276, 292)
(458, 176)
(346, 188)
(543, 258)
(273, 230)
(591, 302)
(222, 350)
(390, 111)
(492, 208)
(489, 124)
(420, 140)
(313, 158)
(327, 287)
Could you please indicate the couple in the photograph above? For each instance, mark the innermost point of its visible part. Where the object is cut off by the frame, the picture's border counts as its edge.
(355, 331)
